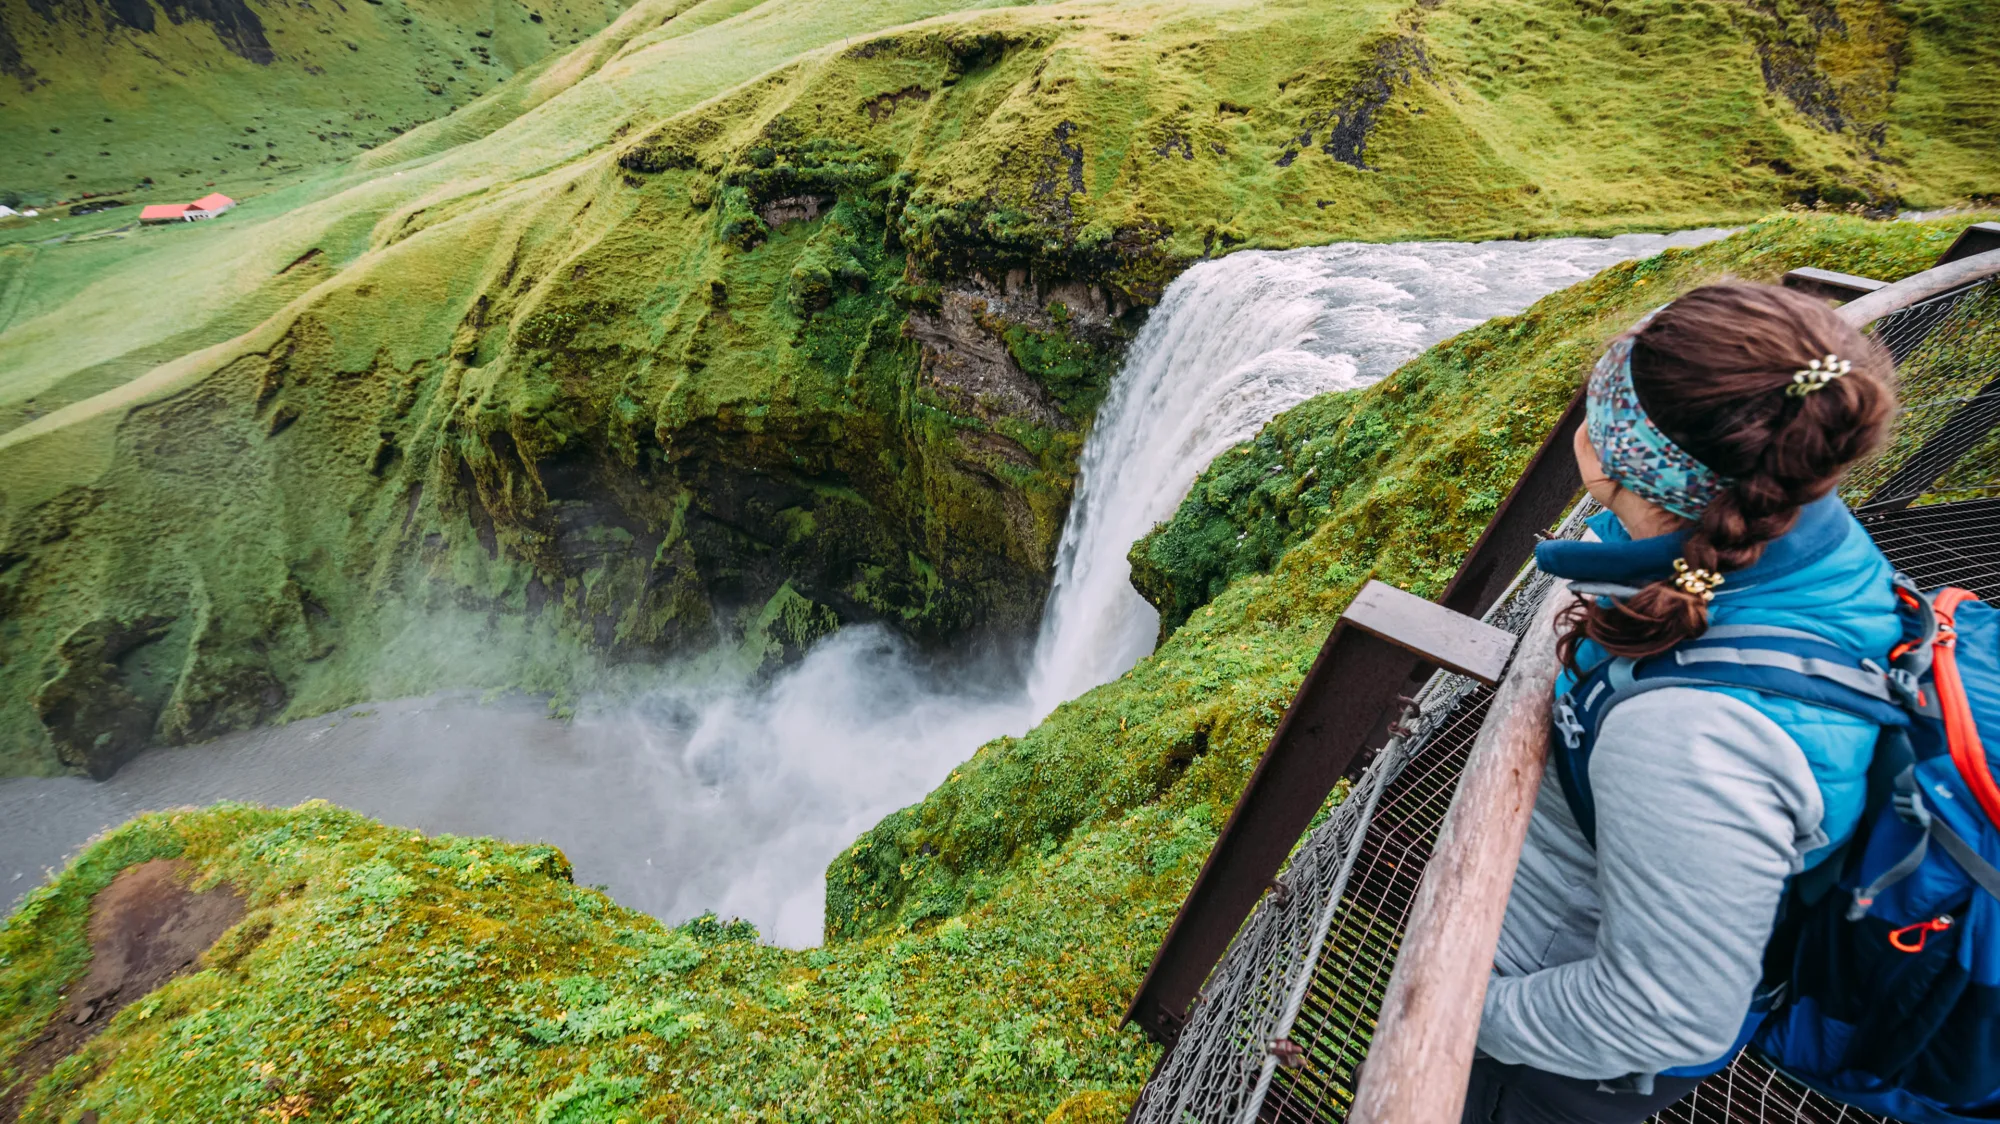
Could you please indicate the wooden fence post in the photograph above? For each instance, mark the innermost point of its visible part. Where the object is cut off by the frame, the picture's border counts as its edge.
(1420, 1055)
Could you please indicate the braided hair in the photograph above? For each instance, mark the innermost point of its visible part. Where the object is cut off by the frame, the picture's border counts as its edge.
(1713, 370)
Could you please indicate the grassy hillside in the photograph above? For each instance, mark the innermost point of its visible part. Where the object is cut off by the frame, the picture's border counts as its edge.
(157, 103)
(981, 943)
(745, 320)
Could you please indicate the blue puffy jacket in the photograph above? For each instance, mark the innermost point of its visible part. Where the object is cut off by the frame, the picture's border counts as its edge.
(1826, 577)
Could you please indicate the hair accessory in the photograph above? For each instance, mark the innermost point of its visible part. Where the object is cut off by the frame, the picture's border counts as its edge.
(1635, 454)
(1817, 374)
(1695, 580)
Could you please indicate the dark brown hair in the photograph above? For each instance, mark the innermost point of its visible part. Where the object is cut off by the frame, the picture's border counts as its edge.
(1711, 371)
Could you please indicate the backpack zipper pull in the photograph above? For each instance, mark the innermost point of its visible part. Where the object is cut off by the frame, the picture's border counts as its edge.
(1901, 938)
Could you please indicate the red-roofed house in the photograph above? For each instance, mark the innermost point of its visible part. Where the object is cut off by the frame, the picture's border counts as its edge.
(206, 207)
(209, 206)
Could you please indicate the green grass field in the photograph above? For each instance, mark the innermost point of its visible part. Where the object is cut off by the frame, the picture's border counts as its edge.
(115, 99)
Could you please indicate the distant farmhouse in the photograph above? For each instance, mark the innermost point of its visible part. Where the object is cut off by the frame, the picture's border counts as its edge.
(206, 207)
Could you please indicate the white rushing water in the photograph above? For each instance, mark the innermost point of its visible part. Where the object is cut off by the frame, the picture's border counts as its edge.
(1234, 343)
(705, 797)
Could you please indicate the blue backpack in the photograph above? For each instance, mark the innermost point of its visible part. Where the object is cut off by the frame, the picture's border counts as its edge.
(1882, 977)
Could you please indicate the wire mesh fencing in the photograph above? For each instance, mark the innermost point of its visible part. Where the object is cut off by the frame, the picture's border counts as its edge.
(1945, 447)
(1750, 1092)
(1943, 544)
(1281, 1030)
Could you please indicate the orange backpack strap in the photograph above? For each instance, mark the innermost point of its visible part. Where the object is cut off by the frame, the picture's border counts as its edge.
(1961, 732)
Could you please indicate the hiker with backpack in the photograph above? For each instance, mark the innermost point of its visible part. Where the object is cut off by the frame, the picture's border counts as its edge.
(1732, 841)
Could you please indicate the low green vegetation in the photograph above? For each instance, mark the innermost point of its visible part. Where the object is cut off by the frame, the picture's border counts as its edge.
(124, 101)
(981, 944)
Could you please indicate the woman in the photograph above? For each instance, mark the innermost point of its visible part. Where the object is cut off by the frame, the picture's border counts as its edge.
(1717, 429)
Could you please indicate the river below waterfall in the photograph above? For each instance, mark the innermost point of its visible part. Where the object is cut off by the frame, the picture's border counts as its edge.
(701, 797)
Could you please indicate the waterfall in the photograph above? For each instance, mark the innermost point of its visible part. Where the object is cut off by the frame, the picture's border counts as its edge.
(1234, 343)
(725, 797)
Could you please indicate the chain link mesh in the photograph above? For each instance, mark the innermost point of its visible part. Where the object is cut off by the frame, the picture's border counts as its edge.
(1266, 1034)
(1280, 1031)
(1945, 446)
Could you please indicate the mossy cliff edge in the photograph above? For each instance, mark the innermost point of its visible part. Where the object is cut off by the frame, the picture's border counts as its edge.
(981, 944)
(744, 320)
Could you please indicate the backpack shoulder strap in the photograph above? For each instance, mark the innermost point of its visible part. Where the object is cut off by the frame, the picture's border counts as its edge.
(1968, 751)
(1795, 665)
(1927, 658)
(1777, 661)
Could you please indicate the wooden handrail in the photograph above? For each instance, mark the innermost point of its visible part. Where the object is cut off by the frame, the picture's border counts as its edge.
(1421, 1053)
(1865, 310)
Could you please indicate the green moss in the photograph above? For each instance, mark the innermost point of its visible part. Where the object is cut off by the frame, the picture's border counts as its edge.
(1074, 371)
(387, 975)
(784, 628)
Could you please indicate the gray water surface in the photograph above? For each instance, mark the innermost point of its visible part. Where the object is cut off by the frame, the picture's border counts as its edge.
(445, 764)
(690, 799)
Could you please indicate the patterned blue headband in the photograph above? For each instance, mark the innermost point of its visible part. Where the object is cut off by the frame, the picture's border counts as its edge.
(1635, 454)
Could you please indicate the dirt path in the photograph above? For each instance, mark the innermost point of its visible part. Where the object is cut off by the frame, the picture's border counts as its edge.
(145, 928)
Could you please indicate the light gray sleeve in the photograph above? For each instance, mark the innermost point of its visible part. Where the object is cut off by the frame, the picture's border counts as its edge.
(1704, 807)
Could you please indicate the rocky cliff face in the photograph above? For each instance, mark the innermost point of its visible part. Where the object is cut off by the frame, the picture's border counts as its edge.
(618, 461)
(902, 466)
